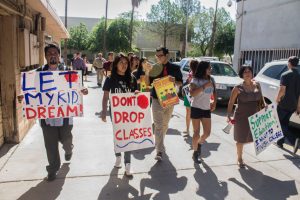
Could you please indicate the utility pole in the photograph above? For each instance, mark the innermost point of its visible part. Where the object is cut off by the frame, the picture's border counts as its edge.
(104, 32)
(66, 25)
(212, 39)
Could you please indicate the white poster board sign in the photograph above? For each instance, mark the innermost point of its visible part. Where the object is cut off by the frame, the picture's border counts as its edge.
(265, 128)
(131, 119)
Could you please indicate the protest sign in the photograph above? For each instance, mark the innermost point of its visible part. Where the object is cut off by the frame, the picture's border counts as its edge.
(131, 119)
(186, 90)
(51, 94)
(265, 128)
(166, 92)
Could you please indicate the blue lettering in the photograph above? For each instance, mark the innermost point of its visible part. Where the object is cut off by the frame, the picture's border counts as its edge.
(50, 97)
(24, 84)
(42, 81)
(38, 95)
(59, 97)
(74, 94)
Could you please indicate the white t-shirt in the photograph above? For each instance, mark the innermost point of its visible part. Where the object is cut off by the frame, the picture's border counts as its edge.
(202, 100)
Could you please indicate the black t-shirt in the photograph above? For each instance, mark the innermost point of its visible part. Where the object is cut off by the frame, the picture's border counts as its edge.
(172, 70)
(291, 80)
(118, 84)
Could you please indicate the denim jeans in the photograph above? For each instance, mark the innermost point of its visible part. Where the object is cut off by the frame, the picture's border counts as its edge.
(127, 156)
(284, 118)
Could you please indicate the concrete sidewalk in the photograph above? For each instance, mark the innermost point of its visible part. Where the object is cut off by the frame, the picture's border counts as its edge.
(275, 174)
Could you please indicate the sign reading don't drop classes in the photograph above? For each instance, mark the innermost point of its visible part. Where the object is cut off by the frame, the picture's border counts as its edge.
(131, 119)
(51, 94)
(265, 128)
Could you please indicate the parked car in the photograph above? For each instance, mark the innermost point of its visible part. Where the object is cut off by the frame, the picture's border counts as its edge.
(269, 79)
(224, 75)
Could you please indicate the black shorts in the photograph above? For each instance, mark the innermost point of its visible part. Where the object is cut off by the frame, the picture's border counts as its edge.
(197, 113)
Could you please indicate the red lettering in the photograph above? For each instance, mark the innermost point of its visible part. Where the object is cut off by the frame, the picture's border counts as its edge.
(117, 117)
(69, 109)
(50, 112)
(149, 132)
(117, 135)
(60, 112)
(30, 113)
(132, 133)
(125, 117)
(124, 135)
(41, 112)
(141, 116)
(145, 131)
(115, 101)
(133, 116)
(123, 101)
(141, 132)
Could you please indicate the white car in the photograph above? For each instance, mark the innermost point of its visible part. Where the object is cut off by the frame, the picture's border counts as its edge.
(269, 79)
(224, 75)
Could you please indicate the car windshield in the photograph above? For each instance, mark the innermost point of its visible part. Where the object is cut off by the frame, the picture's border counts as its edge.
(182, 62)
(220, 69)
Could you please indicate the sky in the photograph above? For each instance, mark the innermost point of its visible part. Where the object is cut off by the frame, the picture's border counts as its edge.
(96, 8)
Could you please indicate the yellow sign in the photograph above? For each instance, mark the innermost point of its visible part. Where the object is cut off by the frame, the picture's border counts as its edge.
(166, 92)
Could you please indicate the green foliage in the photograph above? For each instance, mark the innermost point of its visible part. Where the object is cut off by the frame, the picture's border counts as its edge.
(78, 37)
(225, 39)
(118, 34)
(95, 42)
(164, 19)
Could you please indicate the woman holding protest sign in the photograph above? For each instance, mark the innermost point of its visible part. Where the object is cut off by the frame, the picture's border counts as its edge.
(193, 68)
(120, 81)
(143, 70)
(249, 101)
(202, 87)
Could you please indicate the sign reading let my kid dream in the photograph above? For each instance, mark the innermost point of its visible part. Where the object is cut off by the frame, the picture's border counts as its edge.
(265, 128)
(51, 94)
(131, 119)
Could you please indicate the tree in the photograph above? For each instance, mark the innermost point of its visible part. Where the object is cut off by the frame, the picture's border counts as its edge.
(225, 40)
(134, 4)
(95, 42)
(78, 37)
(163, 19)
(118, 34)
(188, 8)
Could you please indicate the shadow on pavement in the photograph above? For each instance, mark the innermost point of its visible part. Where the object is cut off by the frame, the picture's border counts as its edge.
(48, 190)
(209, 187)
(141, 154)
(261, 186)
(117, 188)
(5, 149)
(94, 87)
(172, 131)
(164, 180)
(207, 147)
(294, 160)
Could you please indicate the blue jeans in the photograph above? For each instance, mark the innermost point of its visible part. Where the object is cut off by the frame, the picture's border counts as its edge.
(127, 156)
(284, 118)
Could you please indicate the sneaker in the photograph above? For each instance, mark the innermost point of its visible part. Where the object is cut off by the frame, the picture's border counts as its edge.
(199, 150)
(196, 157)
(68, 156)
(127, 170)
(51, 176)
(118, 162)
(158, 156)
(296, 146)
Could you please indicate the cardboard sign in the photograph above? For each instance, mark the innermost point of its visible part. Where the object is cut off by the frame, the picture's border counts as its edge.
(143, 86)
(166, 92)
(265, 128)
(51, 94)
(131, 119)
(186, 90)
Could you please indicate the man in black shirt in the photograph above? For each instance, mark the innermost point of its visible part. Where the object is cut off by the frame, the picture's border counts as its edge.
(162, 116)
(288, 100)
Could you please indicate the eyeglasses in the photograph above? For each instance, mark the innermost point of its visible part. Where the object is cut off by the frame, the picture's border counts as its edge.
(159, 56)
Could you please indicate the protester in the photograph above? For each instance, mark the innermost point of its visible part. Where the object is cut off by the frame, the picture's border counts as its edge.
(56, 130)
(288, 100)
(202, 87)
(129, 55)
(107, 65)
(85, 71)
(98, 65)
(162, 116)
(193, 68)
(134, 63)
(78, 64)
(248, 95)
(120, 81)
(143, 70)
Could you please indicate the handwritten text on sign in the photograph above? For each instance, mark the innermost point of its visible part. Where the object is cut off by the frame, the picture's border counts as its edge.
(131, 118)
(265, 128)
(51, 94)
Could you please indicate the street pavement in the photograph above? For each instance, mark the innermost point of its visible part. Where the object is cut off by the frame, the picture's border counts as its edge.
(274, 174)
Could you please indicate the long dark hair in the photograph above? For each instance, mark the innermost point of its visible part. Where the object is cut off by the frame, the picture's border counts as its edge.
(140, 69)
(193, 66)
(201, 70)
(114, 71)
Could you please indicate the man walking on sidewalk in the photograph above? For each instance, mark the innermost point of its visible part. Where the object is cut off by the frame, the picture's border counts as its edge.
(288, 100)
(98, 65)
(55, 130)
